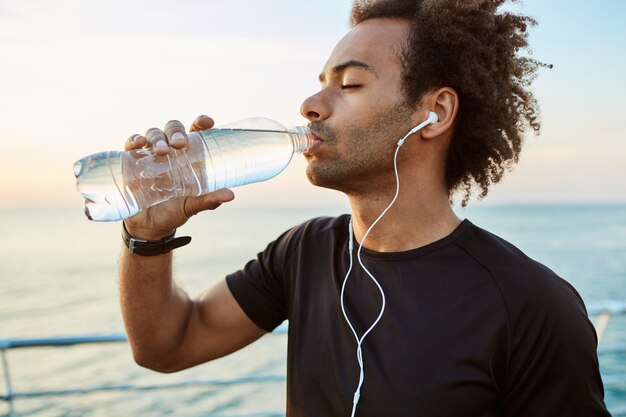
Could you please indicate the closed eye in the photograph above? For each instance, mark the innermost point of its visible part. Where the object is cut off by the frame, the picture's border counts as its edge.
(348, 86)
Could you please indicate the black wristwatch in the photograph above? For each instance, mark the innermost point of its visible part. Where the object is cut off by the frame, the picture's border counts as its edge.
(152, 247)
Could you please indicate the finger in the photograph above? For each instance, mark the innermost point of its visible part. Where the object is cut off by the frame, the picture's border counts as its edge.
(175, 133)
(202, 123)
(223, 195)
(210, 201)
(135, 142)
(157, 141)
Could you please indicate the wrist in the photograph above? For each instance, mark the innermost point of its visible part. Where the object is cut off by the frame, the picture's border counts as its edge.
(147, 233)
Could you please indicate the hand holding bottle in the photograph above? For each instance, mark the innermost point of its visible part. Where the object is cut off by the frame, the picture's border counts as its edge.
(159, 221)
(171, 164)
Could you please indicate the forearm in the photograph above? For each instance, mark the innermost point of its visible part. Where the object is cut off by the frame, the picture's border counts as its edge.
(166, 329)
(156, 312)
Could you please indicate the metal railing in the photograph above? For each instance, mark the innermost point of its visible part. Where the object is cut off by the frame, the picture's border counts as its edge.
(604, 313)
(10, 395)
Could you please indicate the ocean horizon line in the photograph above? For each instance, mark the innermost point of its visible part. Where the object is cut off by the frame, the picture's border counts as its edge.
(329, 205)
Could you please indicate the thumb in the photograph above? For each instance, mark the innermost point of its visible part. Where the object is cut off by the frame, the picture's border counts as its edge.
(210, 201)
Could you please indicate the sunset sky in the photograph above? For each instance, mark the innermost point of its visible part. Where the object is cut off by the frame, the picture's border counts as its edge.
(77, 77)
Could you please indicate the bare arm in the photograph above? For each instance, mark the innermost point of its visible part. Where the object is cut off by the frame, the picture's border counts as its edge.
(166, 329)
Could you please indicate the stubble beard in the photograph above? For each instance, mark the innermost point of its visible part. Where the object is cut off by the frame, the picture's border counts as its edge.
(365, 155)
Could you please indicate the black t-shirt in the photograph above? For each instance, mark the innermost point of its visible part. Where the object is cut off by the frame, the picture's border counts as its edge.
(472, 327)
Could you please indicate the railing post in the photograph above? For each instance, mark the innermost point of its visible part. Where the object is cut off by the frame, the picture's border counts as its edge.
(7, 381)
(602, 324)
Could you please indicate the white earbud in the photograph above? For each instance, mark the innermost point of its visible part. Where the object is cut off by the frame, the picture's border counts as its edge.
(432, 118)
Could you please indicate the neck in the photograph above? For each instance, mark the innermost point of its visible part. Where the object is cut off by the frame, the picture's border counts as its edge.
(418, 217)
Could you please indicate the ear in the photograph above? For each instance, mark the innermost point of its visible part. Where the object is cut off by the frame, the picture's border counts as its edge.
(444, 102)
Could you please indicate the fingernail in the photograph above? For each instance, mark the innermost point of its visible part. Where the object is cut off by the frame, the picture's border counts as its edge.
(161, 144)
(177, 138)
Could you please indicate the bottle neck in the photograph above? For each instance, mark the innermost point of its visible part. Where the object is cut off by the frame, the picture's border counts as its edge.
(302, 137)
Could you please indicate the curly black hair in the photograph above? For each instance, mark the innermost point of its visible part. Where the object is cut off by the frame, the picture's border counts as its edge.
(470, 46)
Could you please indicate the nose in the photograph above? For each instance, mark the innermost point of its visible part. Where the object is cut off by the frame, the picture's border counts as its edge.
(314, 109)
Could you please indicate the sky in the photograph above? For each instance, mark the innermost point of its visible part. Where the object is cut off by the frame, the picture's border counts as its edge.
(78, 77)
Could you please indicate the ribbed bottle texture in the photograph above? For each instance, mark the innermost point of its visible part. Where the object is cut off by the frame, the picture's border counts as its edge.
(117, 184)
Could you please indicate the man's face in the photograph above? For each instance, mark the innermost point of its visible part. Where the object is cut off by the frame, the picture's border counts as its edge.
(360, 113)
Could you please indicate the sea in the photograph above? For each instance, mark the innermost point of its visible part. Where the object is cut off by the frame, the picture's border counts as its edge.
(58, 277)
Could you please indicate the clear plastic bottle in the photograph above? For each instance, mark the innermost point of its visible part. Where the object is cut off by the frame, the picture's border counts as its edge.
(118, 184)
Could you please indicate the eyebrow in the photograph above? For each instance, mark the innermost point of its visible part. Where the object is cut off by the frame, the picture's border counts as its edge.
(349, 64)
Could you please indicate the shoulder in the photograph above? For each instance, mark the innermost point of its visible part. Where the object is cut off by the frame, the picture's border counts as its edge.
(510, 268)
(548, 331)
(529, 289)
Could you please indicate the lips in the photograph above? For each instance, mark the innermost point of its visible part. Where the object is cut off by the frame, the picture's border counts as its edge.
(316, 142)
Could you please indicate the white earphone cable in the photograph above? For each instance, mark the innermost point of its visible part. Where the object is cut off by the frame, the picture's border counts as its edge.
(432, 118)
(359, 340)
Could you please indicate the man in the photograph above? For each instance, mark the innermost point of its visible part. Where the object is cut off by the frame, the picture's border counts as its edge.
(458, 321)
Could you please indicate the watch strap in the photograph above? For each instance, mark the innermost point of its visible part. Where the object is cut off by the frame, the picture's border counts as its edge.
(152, 247)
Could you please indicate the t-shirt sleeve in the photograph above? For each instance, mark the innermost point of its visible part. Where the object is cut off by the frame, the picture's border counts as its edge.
(261, 287)
(553, 364)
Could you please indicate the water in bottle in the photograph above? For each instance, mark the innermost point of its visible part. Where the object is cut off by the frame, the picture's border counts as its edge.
(118, 184)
